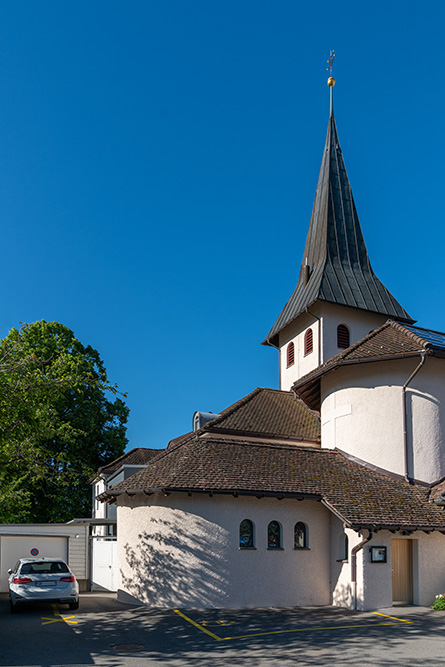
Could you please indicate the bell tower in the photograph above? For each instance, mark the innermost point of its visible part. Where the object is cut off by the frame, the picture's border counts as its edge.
(338, 298)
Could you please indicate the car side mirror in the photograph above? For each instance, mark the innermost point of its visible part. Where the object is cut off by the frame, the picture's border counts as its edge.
(9, 571)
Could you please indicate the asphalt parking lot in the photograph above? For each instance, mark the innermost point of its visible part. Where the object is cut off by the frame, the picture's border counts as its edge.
(105, 632)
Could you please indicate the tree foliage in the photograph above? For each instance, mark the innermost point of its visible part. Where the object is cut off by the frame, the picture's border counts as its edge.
(60, 419)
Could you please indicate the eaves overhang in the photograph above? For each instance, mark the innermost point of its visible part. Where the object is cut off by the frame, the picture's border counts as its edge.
(112, 494)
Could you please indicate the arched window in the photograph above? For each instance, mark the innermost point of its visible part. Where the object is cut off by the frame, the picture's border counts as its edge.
(300, 536)
(290, 354)
(343, 547)
(308, 341)
(342, 336)
(274, 535)
(246, 534)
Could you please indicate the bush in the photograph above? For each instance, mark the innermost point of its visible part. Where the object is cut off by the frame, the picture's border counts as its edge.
(439, 603)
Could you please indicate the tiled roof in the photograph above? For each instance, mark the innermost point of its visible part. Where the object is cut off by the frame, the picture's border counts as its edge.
(336, 266)
(393, 340)
(360, 496)
(136, 456)
(268, 412)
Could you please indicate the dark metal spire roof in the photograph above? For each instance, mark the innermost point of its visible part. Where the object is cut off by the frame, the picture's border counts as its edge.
(336, 266)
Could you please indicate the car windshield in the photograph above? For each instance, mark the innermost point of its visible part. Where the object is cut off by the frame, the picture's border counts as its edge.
(44, 567)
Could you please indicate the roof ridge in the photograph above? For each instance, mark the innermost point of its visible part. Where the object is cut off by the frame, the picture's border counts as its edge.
(232, 408)
(407, 331)
(314, 413)
(245, 442)
(122, 456)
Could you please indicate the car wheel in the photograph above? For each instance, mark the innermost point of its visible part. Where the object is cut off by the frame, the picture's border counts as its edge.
(74, 605)
(12, 607)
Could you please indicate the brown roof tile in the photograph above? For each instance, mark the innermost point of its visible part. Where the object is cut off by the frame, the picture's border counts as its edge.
(136, 456)
(392, 340)
(268, 412)
(360, 496)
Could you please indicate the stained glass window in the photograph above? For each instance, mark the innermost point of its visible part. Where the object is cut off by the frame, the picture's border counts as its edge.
(246, 534)
(274, 535)
(300, 536)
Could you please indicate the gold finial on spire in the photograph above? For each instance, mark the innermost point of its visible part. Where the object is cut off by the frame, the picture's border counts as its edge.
(331, 80)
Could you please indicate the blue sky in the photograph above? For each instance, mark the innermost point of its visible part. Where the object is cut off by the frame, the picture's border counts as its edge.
(158, 163)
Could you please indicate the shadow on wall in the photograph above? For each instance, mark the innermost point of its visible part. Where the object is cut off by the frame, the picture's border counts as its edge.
(342, 596)
(179, 561)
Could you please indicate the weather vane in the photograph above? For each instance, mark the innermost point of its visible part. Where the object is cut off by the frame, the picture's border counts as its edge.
(331, 80)
(330, 62)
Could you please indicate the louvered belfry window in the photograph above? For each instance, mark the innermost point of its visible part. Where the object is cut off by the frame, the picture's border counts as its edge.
(308, 341)
(342, 336)
(290, 354)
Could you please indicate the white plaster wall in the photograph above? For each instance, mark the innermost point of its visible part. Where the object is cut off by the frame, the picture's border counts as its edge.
(359, 323)
(428, 570)
(362, 414)
(190, 557)
(341, 587)
(295, 333)
(431, 549)
(374, 580)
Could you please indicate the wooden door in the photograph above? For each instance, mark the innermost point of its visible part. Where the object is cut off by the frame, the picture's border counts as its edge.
(402, 571)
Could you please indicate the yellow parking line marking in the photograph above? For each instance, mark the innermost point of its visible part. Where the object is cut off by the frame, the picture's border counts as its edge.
(211, 634)
(328, 627)
(399, 621)
(402, 620)
(58, 617)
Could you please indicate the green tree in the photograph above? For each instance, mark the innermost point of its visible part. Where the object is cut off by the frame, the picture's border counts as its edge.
(60, 419)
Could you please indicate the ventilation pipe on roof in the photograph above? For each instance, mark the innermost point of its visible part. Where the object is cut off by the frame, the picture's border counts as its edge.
(306, 273)
(354, 552)
(409, 478)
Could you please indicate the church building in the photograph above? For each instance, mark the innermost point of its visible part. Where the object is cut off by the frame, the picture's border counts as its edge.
(328, 490)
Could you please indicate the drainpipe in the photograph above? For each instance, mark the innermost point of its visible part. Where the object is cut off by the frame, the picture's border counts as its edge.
(354, 551)
(404, 416)
(319, 334)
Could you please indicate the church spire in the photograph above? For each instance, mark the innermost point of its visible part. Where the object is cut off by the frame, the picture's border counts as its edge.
(336, 266)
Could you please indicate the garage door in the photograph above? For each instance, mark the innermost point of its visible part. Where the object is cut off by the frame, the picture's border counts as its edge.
(13, 547)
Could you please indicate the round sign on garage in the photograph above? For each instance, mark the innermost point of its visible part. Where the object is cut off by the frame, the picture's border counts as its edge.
(34, 552)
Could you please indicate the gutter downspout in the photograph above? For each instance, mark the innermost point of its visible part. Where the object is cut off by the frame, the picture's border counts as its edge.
(354, 551)
(319, 334)
(404, 417)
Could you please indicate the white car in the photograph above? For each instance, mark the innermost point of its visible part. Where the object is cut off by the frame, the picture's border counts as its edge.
(42, 580)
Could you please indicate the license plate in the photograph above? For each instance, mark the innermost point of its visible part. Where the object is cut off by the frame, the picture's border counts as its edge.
(46, 583)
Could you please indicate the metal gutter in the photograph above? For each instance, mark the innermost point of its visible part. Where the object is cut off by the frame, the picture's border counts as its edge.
(409, 478)
(209, 491)
(358, 547)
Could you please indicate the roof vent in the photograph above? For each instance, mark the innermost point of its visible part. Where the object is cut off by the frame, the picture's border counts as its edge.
(441, 499)
(201, 418)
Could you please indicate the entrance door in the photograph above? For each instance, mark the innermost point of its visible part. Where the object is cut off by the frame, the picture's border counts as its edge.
(402, 571)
